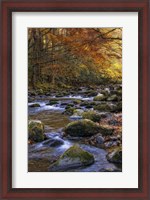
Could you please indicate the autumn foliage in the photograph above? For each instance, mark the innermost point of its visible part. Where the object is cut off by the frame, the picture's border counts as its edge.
(74, 56)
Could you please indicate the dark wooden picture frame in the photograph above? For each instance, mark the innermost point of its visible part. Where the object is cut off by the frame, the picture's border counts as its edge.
(10, 6)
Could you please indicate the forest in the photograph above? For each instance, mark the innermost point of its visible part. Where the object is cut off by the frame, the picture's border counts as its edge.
(75, 99)
(74, 56)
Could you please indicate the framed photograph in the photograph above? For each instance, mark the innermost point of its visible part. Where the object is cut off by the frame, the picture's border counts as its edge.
(74, 99)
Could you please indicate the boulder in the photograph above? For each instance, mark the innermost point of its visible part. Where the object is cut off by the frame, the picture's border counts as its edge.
(82, 128)
(100, 97)
(78, 112)
(99, 139)
(117, 107)
(115, 156)
(106, 130)
(74, 157)
(77, 101)
(36, 130)
(91, 93)
(92, 115)
(102, 107)
(112, 98)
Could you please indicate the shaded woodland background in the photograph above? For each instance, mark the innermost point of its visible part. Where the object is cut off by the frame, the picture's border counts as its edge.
(64, 57)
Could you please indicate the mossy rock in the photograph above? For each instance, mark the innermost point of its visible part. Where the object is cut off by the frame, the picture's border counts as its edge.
(91, 94)
(36, 130)
(85, 103)
(117, 107)
(78, 112)
(32, 93)
(82, 128)
(69, 111)
(101, 97)
(102, 107)
(112, 98)
(106, 130)
(77, 101)
(34, 105)
(92, 115)
(52, 102)
(115, 156)
(59, 95)
(40, 91)
(105, 92)
(70, 105)
(74, 157)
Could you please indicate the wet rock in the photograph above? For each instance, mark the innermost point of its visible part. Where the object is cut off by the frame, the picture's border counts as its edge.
(91, 94)
(117, 107)
(32, 93)
(52, 102)
(82, 128)
(96, 140)
(39, 91)
(102, 107)
(74, 157)
(77, 101)
(85, 103)
(75, 117)
(112, 98)
(30, 99)
(100, 97)
(53, 142)
(36, 130)
(110, 170)
(115, 156)
(69, 111)
(34, 105)
(92, 115)
(99, 139)
(59, 95)
(78, 112)
(106, 130)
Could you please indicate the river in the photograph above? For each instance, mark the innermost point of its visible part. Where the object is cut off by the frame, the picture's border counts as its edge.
(40, 155)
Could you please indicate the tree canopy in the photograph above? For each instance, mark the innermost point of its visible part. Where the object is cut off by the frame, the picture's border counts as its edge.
(74, 56)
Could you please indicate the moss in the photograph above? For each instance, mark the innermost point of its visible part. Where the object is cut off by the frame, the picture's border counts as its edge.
(115, 156)
(78, 112)
(82, 128)
(76, 152)
(72, 158)
(85, 103)
(69, 111)
(117, 107)
(77, 101)
(91, 93)
(36, 130)
(35, 105)
(59, 95)
(102, 107)
(106, 130)
(92, 115)
(100, 98)
(113, 98)
(52, 103)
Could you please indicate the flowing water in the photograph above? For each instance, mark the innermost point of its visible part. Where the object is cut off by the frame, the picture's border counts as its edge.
(41, 155)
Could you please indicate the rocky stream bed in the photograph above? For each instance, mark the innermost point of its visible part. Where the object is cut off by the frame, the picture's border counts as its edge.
(75, 131)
